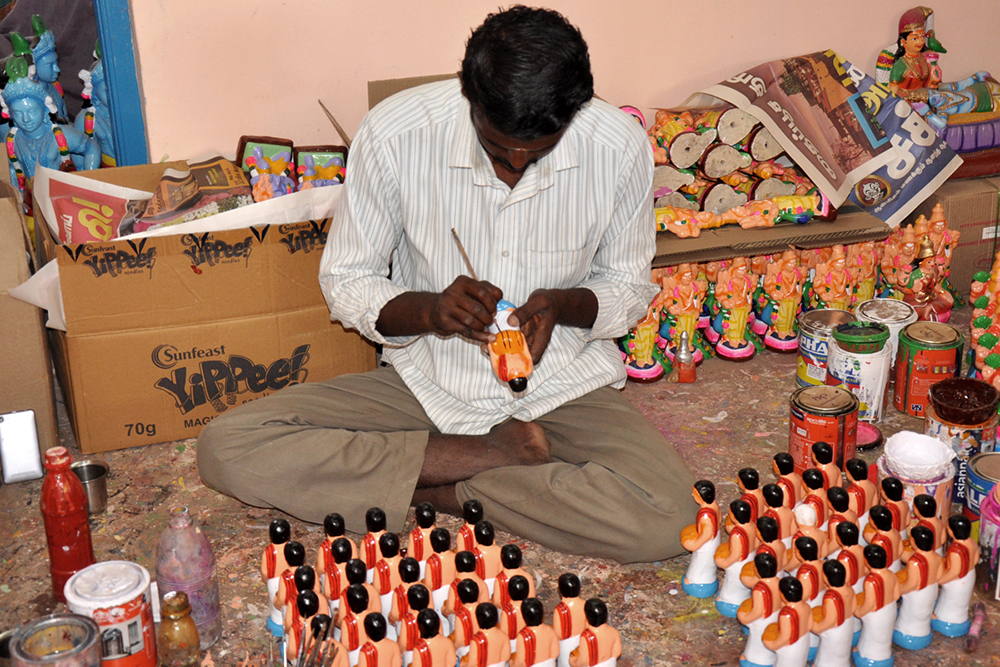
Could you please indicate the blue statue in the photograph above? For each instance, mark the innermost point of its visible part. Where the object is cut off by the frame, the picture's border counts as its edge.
(47, 64)
(95, 120)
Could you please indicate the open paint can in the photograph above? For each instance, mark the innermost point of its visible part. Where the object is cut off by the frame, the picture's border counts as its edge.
(859, 362)
(928, 353)
(893, 314)
(822, 414)
(58, 640)
(815, 338)
(983, 474)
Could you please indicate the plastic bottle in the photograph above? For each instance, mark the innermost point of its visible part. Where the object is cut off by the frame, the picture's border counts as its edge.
(177, 642)
(185, 562)
(67, 526)
(685, 360)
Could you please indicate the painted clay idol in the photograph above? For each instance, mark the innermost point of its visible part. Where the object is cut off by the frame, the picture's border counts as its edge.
(760, 611)
(832, 283)
(733, 291)
(433, 649)
(904, 67)
(375, 524)
(862, 492)
(641, 353)
(487, 554)
(600, 643)
(420, 537)
(269, 176)
(702, 539)
(489, 646)
(733, 556)
(95, 119)
(880, 531)
(351, 626)
(510, 560)
(892, 497)
(877, 611)
(833, 621)
(951, 613)
(789, 637)
(568, 618)
(918, 586)
(509, 352)
(537, 644)
(682, 298)
(305, 606)
(783, 295)
(415, 600)
(272, 564)
(379, 650)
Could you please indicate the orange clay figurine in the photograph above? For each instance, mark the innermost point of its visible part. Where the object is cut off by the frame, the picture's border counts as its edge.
(489, 646)
(789, 636)
(379, 650)
(509, 352)
(433, 649)
(510, 559)
(272, 565)
(951, 613)
(876, 607)
(600, 644)
(537, 645)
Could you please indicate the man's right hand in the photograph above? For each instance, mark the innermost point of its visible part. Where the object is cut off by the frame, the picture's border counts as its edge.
(465, 307)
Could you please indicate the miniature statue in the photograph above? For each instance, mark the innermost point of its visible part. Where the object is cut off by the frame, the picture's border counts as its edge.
(733, 292)
(833, 621)
(537, 644)
(840, 510)
(682, 296)
(34, 138)
(312, 175)
(876, 607)
(304, 607)
(813, 480)
(420, 537)
(892, 498)
(334, 528)
(433, 649)
(334, 578)
(510, 559)
(414, 600)
(863, 493)
(925, 513)
(760, 611)
(862, 266)
(851, 554)
(511, 620)
(748, 481)
(783, 295)
(918, 586)
(951, 613)
(472, 511)
(409, 575)
(822, 458)
(331, 652)
(640, 349)
(465, 569)
(47, 64)
(789, 637)
(809, 260)
(779, 509)
(789, 481)
(355, 572)
(600, 644)
(568, 618)
(295, 556)
(440, 572)
(466, 626)
(733, 556)
(387, 577)
(272, 564)
(807, 572)
(94, 120)
(375, 524)
(487, 554)
(270, 176)
(351, 626)
(710, 307)
(832, 283)
(379, 650)
(769, 542)
(805, 517)
(979, 93)
(509, 351)
(880, 531)
(905, 68)
(489, 646)
(944, 241)
(922, 289)
(702, 539)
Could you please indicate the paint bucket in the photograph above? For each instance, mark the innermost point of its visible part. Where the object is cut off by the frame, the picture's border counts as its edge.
(822, 414)
(988, 569)
(962, 413)
(983, 475)
(815, 329)
(116, 595)
(928, 353)
(863, 369)
(923, 464)
(58, 640)
(892, 313)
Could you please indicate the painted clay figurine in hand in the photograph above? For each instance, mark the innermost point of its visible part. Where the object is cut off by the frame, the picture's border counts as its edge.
(537, 644)
(420, 537)
(600, 644)
(375, 520)
(951, 613)
(433, 648)
(876, 607)
(568, 618)
(880, 531)
(733, 292)
(702, 539)
(509, 351)
(760, 611)
(510, 560)
(783, 292)
(789, 636)
(833, 621)
(918, 586)
(272, 564)
(733, 556)
(489, 646)
(379, 650)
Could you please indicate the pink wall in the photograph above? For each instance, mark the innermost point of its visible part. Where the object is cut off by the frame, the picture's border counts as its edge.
(212, 70)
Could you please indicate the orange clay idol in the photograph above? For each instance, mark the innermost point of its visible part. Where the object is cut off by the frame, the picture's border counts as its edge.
(509, 352)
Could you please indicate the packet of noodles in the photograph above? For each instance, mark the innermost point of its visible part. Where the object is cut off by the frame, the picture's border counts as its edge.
(82, 210)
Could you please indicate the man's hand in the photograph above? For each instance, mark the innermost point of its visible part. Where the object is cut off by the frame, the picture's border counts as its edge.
(545, 308)
(465, 307)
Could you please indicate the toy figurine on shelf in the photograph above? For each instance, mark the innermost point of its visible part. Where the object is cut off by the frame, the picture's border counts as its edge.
(600, 643)
(537, 644)
(509, 351)
(877, 610)
(681, 298)
(733, 291)
(760, 611)
(643, 360)
(944, 241)
(951, 613)
(922, 288)
(732, 556)
(433, 649)
(918, 586)
(832, 283)
(905, 68)
(94, 120)
(789, 637)
(270, 176)
(702, 539)
(710, 307)
(568, 618)
(834, 620)
(782, 295)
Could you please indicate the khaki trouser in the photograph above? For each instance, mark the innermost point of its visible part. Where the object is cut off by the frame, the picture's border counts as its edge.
(615, 489)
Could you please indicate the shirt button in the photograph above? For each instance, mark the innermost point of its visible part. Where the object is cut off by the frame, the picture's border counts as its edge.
(506, 254)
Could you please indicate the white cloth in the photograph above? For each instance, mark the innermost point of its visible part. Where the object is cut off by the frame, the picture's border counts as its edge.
(793, 655)
(406, 657)
(390, 628)
(915, 612)
(581, 216)
(732, 589)
(277, 615)
(567, 646)
(755, 650)
(876, 633)
(610, 662)
(551, 662)
(702, 569)
(354, 656)
(835, 646)
(953, 600)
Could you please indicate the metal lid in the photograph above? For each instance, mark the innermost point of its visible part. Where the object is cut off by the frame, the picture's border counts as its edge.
(824, 320)
(885, 310)
(986, 465)
(104, 585)
(932, 333)
(823, 399)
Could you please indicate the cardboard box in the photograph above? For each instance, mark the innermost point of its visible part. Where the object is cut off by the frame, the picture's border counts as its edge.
(25, 367)
(971, 207)
(165, 333)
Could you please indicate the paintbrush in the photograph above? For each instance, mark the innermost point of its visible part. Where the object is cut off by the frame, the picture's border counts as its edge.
(321, 626)
(465, 256)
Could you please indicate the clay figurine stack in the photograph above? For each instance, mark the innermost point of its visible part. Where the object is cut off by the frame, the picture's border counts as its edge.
(376, 604)
(743, 305)
(816, 567)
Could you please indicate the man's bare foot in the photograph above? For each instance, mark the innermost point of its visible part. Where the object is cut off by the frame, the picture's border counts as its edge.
(453, 458)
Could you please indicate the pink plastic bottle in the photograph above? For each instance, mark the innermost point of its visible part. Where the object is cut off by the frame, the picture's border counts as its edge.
(67, 526)
(185, 562)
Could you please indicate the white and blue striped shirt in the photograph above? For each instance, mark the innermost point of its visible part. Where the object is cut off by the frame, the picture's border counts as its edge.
(582, 216)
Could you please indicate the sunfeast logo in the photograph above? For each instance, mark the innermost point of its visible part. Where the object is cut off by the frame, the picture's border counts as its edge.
(112, 260)
(206, 249)
(304, 237)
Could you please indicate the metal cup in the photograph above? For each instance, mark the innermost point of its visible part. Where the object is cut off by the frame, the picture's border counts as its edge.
(93, 474)
(5, 640)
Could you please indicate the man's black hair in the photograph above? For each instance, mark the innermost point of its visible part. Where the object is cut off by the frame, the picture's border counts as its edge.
(527, 71)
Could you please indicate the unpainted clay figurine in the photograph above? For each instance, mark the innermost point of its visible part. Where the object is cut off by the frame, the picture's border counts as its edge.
(951, 613)
(702, 539)
(379, 650)
(433, 649)
(876, 607)
(918, 586)
(272, 564)
(420, 537)
(833, 621)
(789, 636)
(568, 618)
(733, 556)
(510, 560)
(509, 351)
(760, 611)
(600, 644)
(489, 646)
(537, 644)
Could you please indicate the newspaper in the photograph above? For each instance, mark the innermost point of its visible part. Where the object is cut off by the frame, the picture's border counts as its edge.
(821, 110)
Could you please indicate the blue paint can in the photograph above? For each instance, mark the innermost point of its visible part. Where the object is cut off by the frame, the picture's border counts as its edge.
(983, 473)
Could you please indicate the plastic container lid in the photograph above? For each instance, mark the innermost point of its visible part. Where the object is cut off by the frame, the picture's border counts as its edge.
(823, 320)
(103, 585)
(887, 311)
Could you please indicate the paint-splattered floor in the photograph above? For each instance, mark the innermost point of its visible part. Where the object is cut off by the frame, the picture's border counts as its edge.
(734, 416)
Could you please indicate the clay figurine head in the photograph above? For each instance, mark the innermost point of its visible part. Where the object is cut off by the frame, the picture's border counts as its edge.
(857, 469)
(305, 577)
(418, 597)
(569, 585)
(357, 598)
(341, 550)
(806, 548)
(468, 591)
(440, 540)
(835, 573)
(428, 623)
(425, 515)
(517, 587)
(812, 478)
(740, 511)
(27, 102)
(959, 527)
(465, 561)
(748, 479)
(510, 556)
(892, 488)
(703, 492)
(486, 615)
(375, 520)
(333, 525)
(375, 627)
(295, 554)
(44, 53)
(924, 505)
(596, 612)
(847, 534)
(356, 572)
(533, 612)
(472, 511)
(388, 545)
(790, 589)
(485, 533)
(279, 531)
(409, 570)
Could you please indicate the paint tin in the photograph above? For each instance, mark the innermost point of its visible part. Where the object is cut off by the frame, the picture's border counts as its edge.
(116, 595)
(58, 640)
(989, 548)
(822, 414)
(928, 353)
(866, 375)
(892, 313)
(923, 464)
(815, 336)
(962, 413)
(983, 475)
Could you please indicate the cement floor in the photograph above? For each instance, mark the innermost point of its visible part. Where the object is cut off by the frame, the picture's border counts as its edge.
(736, 415)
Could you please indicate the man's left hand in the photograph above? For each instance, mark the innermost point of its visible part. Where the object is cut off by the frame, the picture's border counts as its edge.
(546, 308)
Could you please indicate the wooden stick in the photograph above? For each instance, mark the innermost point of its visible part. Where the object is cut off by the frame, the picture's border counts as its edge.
(336, 125)
(461, 249)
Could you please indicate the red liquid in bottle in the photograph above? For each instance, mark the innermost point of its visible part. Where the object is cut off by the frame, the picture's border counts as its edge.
(67, 527)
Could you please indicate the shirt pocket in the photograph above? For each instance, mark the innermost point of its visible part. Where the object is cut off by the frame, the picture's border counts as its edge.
(558, 269)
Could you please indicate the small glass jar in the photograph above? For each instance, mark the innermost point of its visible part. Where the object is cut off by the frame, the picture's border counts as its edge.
(177, 638)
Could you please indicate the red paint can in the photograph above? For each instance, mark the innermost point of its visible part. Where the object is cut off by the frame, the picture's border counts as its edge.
(823, 414)
(928, 352)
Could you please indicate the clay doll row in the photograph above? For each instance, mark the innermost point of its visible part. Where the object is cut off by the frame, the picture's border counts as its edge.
(476, 593)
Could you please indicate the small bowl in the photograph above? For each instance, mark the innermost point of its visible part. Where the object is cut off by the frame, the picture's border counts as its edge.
(964, 401)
